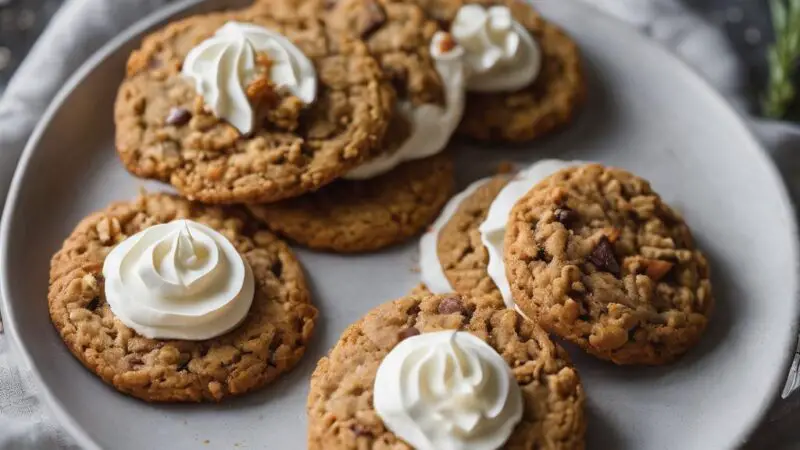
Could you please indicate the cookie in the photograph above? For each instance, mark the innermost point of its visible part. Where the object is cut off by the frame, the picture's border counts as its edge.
(463, 256)
(341, 411)
(426, 71)
(398, 34)
(270, 340)
(597, 257)
(365, 215)
(545, 105)
(166, 132)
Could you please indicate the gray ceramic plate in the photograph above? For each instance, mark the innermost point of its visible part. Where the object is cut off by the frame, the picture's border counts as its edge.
(647, 112)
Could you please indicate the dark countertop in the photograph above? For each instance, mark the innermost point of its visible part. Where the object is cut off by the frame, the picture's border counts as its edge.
(746, 23)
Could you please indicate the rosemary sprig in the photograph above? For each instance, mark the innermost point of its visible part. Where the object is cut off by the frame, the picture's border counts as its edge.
(782, 57)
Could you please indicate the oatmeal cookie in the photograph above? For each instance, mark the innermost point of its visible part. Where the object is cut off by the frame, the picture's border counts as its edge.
(463, 256)
(397, 33)
(165, 132)
(365, 215)
(270, 340)
(597, 257)
(549, 103)
(340, 402)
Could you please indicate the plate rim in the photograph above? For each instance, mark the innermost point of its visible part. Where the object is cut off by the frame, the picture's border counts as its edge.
(77, 432)
(52, 403)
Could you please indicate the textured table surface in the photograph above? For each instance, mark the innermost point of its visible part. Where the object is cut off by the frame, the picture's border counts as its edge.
(746, 22)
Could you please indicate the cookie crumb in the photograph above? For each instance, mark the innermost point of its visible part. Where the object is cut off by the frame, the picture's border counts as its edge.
(446, 43)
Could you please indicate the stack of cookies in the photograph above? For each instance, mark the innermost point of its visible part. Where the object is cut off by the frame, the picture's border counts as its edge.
(345, 152)
(330, 123)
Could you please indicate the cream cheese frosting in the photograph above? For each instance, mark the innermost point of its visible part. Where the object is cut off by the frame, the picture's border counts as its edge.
(431, 125)
(448, 390)
(223, 65)
(499, 53)
(178, 280)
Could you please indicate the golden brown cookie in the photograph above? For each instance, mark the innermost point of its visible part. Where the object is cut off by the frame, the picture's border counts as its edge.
(165, 132)
(463, 256)
(341, 414)
(365, 215)
(549, 103)
(597, 257)
(270, 341)
(397, 33)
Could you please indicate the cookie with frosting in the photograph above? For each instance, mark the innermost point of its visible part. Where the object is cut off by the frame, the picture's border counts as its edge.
(243, 107)
(396, 194)
(350, 216)
(169, 300)
(597, 257)
(432, 372)
(463, 250)
(524, 76)
(423, 63)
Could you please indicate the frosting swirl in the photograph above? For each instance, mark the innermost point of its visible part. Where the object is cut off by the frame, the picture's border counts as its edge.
(448, 390)
(500, 54)
(224, 65)
(431, 125)
(179, 280)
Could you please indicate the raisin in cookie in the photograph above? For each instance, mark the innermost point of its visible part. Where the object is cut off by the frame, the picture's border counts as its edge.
(341, 409)
(166, 131)
(365, 215)
(599, 259)
(269, 341)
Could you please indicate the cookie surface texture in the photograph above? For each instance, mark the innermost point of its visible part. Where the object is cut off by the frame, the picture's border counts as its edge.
(463, 256)
(270, 340)
(365, 215)
(597, 257)
(340, 409)
(165, 132)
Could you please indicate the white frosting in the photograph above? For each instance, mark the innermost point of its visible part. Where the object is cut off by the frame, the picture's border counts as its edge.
(179, 280)
(500, 54)
(430, 267)
(431, 125)
(224, 65)
(493, 229)
(448, 390)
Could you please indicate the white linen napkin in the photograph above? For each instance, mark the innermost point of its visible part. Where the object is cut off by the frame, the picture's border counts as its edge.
(83, 26)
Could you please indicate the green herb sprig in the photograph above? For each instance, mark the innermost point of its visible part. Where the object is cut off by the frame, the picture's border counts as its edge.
(782, 57)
